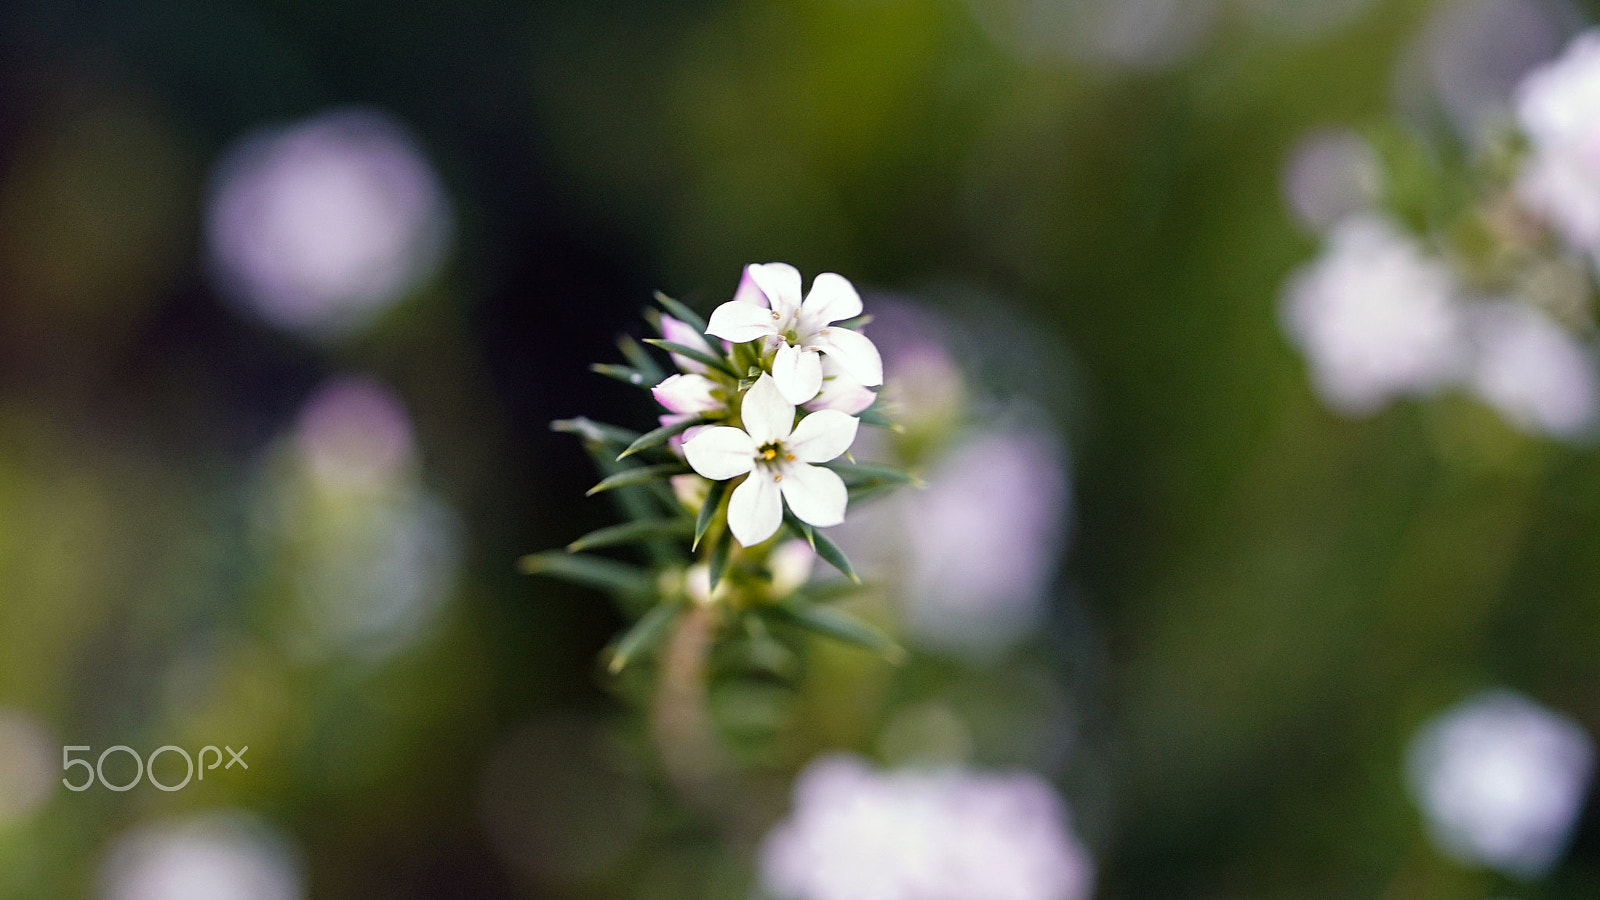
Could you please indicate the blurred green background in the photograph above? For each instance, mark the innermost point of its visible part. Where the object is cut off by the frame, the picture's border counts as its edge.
(1260, 604)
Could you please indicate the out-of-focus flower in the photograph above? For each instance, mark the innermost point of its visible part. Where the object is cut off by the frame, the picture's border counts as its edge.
(370, 553)
(1331, 173)
(353, 433)
(1538, 376)
(776, 454)
(857, 834)
(791, 563)
(321, 225)
(26, 775)
(985, 539)
(802, 330)
(1375, 316)
(1501, 781)
(1558, 106)
(221, 856)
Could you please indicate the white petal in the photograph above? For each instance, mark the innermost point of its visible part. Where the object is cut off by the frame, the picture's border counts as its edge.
(781, 283)
(840, 391)
(832, 298)
(854, 352)
(740, 322)
(798, 373)
(720, 452)
(816, 495)
(687, 394)
(822, 435)
(755, 509)
(767, 416)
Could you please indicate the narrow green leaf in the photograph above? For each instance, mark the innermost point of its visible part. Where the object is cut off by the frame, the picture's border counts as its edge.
(624, 374)
(830, 622)
(682, 313)
(861, 493)
(589, 571)
(699, 356)
(631, 532)
(871, 416)
(828, 591)
(642, 637)
(640, 360)
(637, 475)
(659, 436)
(595, 432)
(872, 473)
(830, 551)
(719, 558)
(708, 509)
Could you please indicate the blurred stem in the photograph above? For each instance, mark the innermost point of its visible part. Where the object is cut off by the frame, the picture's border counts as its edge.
(681, 717)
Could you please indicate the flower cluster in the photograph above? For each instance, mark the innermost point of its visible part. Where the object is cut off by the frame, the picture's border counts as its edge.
(924, 835)
(1423, 286)
(760, 409)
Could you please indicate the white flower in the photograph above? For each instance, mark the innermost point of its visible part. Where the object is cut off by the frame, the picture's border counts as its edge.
(1375, 316)
(1558, 105)
(768, 305)
(856, 834)
(776, 454)
(1501, 781)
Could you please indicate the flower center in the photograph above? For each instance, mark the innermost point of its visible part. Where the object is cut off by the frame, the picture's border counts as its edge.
(773, 457)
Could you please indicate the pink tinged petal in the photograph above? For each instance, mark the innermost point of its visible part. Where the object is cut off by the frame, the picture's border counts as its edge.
(748, 291)
(684, 333)
(680, 332)
(719, 452)
(832, 298)
(798, 373)
(846, 397)
(781, 283)
(687, 394)
(840, 391)
(822, 436)
(767, 416)
(755, 509)
(854, 353)
(817, 496)
(739, 322)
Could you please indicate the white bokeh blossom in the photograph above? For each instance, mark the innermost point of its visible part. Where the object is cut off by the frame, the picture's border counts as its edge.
(1501, 781)
(777, 455)
(321, 225)
(858, 834)
(1558, 107)
(1376, 316)
(1538, 376)
(768, 306)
